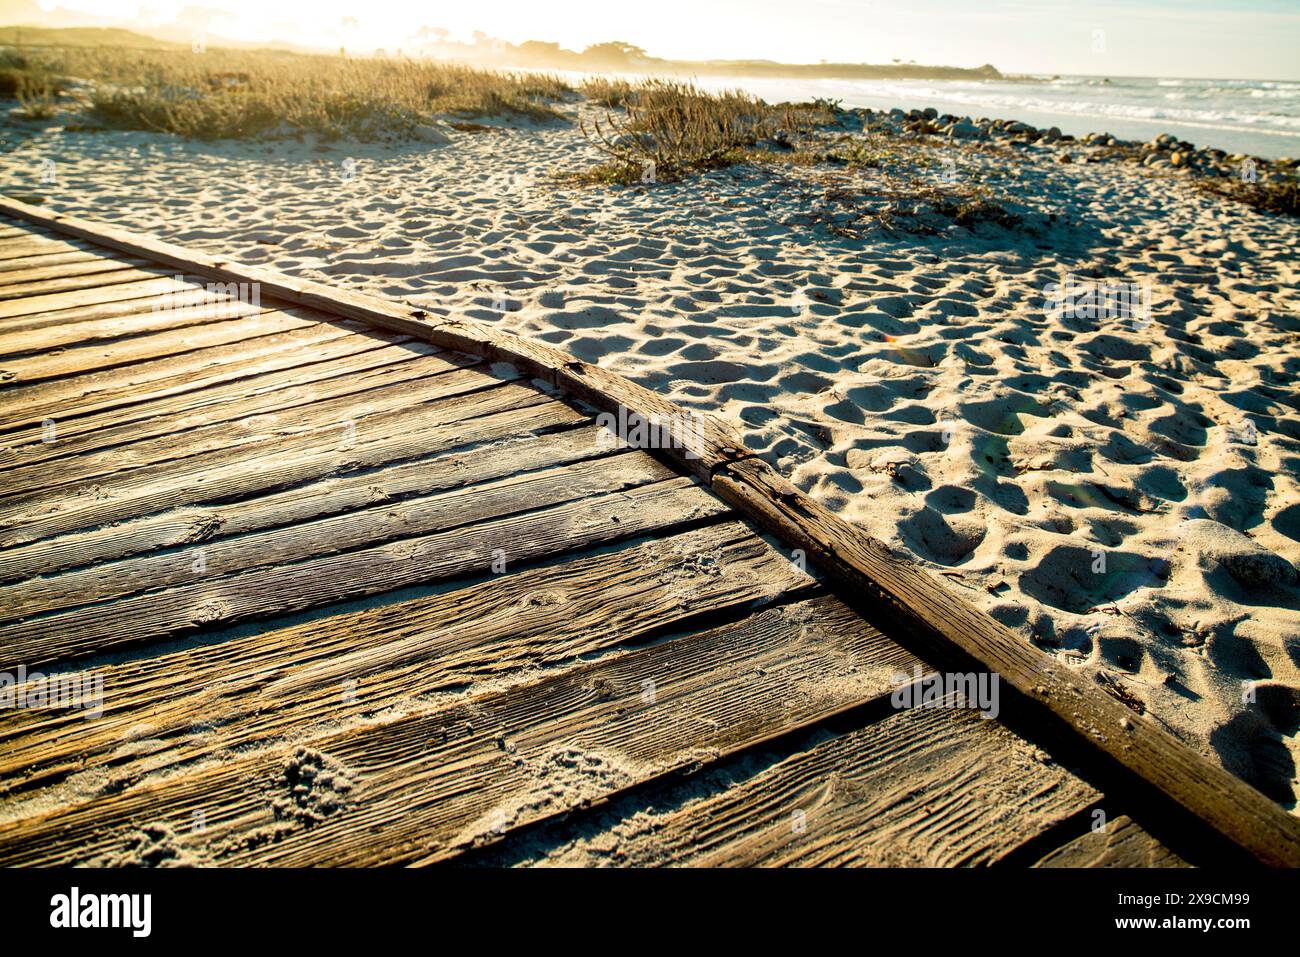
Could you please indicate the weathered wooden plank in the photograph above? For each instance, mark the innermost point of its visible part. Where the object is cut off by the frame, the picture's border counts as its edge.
(19, 229)
(257, 688)
(80, 382)
(329, 495)
(82, 264)
(912, 601)
(11, 226)
(39, 280)
(699, 443)
(202, 411)
(412, 433)
(1121, 843)
(21, 372)
(8, 266)
(139, 286)
(89, 286)
(18, 247)
(418, 381)
(191, 392)
(423, 787)
(706, 445)
(155, 296)
(95, 332)
(924, 787)
(224, 555)
(521, 538)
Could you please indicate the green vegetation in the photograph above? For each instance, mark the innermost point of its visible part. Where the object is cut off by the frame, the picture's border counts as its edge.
(673, 129)
(652, 131)
(222, 94)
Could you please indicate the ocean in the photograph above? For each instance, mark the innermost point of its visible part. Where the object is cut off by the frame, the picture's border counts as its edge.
(1257, 117)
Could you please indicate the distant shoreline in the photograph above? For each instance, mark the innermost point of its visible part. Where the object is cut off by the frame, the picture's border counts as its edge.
(770, 69)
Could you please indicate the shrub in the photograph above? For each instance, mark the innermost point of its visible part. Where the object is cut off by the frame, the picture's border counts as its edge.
(677, 129)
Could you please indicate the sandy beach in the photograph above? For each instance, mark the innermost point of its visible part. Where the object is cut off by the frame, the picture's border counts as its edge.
(1122, 491)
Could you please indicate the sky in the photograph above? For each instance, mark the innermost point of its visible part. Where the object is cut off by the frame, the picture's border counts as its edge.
(1247, 39)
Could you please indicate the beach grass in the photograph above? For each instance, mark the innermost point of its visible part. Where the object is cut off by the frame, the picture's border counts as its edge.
(605, 91)
(669, 129)
(36, 89)
(221, 94)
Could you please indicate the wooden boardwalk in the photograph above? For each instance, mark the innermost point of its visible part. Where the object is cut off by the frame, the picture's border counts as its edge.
(364, 586)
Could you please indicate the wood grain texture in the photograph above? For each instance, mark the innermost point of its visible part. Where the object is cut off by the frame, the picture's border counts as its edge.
(343, 421)
(252, 689)
(137, 284)
(925, 787)
(505, 493)
(1121, 843)
(911, 599)
(81, 267)
(83, 361)
(330, 494)
(79, 382)
(138, 298)
(51, 259)
(278, 590)
(321, 376)
(255, 469)
(295, 400)
(423, 787)
(23, 246)
(93, 332)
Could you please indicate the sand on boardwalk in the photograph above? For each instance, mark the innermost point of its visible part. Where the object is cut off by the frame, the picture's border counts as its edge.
(1122, 493)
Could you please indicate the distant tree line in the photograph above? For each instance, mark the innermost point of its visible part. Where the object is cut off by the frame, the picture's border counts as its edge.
(619, 55)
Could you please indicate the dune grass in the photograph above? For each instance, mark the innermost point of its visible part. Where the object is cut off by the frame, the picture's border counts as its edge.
(36, 90)
(220, 94)
(607, 91)
(663, 131)
(669, 129)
